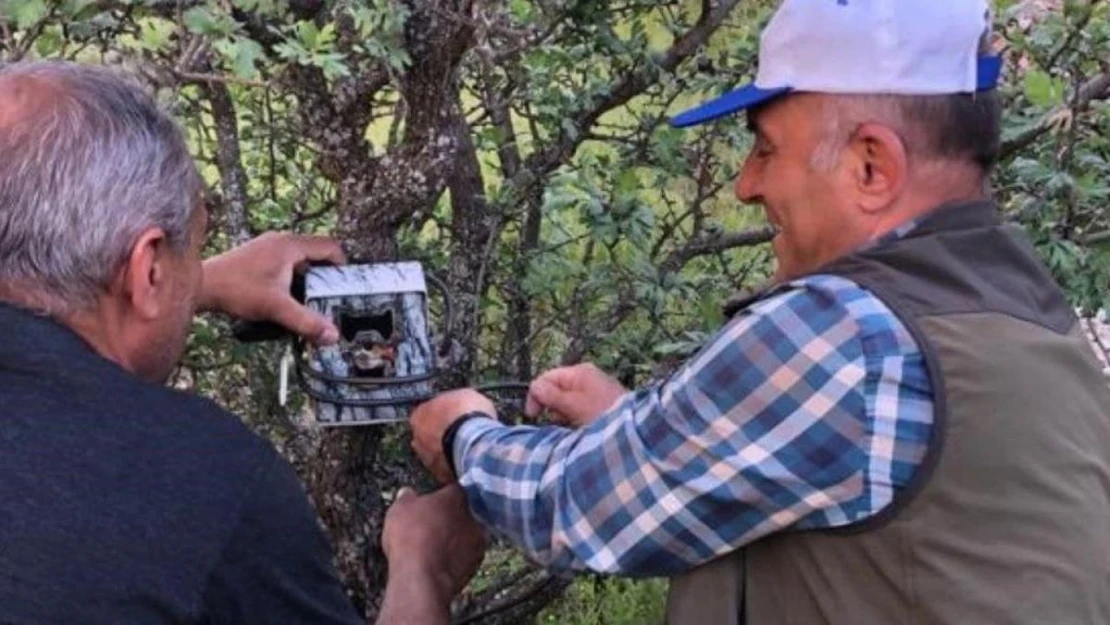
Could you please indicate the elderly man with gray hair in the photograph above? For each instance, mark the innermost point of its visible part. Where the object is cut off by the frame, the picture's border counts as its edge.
(121, 500)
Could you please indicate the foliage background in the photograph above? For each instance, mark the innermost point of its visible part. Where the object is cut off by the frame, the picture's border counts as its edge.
(519, 148)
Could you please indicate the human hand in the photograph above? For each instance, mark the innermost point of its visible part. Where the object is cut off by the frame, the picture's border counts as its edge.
(431, 419)
(574, 395)
(251, 282)
(434, 547)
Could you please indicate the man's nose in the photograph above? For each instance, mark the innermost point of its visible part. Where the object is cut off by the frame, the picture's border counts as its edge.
(748, 188)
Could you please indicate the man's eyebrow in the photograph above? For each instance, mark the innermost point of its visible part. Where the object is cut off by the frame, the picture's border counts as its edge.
(757, 129)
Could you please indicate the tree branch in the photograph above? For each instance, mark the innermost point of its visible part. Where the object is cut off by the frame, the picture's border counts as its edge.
(511, 609)
(471, 227)
(229, 161)
(32, 34)
(219, 79)
(700, 246)
(6, 35)
(1097, 88)
(1072, 36)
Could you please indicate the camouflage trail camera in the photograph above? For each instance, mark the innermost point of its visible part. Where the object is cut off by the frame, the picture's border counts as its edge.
(385, 360)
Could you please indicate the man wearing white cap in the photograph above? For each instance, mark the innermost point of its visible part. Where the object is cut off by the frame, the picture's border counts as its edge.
(907, 426)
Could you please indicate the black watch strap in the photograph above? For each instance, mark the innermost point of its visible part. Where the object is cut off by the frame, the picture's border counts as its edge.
(452, 432)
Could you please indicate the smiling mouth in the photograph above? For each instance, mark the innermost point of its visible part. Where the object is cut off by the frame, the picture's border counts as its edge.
(773, 223)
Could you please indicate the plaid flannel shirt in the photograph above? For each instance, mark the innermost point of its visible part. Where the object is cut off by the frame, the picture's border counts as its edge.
(809, 409)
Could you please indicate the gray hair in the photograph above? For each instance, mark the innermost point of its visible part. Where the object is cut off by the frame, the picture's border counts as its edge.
(81, 178)
(934, 128)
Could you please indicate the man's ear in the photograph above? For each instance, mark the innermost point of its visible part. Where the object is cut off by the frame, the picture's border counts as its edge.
(878, 165)
(144, 280)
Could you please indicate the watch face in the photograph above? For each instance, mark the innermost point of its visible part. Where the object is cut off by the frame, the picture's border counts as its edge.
(384, 360)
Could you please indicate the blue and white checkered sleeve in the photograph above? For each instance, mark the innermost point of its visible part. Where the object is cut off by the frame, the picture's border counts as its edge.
(771, 425)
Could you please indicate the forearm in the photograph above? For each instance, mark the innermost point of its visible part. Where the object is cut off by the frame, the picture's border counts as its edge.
(212, 286)
(415, 596)
(570, 498)
(674, 476)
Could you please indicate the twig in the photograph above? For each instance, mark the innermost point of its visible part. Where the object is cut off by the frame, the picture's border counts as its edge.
(1065, 162)
(197, 366)
(548, 584)
(1097, 88)
(700, 246)
(1097, 237)
(1072, 36)
(32, 34)
(233, 178)
(198, 78)
(6, 34)
(268, 102)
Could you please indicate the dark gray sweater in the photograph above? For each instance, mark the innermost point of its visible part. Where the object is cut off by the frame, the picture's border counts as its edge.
(123, 501)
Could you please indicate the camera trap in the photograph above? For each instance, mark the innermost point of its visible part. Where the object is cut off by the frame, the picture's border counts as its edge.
(385, 359)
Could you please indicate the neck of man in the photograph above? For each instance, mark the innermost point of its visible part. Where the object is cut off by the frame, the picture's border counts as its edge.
(100, 325)
(105, 328)
(932, 188)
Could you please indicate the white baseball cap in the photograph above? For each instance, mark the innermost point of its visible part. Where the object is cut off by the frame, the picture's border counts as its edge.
(900, 47)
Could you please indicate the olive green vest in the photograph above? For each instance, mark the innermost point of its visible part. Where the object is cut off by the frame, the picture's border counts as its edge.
(1008, 520)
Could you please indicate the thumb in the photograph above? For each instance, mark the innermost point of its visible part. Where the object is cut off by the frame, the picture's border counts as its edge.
(305, 322)
(544, 394)
(532, 405)
(404, 493)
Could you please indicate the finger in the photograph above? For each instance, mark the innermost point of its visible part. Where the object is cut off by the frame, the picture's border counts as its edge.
(429, 458)
(532, 406)
(539, 392)
(404, 493)
(443, 473)
(534, 402)
(305, 322)
(313, 248)
(550, 396)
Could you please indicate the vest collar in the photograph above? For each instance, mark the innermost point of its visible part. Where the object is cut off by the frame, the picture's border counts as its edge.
(957, 216)
(947, 217)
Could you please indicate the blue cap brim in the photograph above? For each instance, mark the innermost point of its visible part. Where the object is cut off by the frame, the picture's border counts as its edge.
(990, 70)
(749, 96)
(743, 98)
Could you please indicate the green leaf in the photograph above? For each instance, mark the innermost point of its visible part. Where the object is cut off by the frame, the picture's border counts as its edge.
(333, 66)
(79, 9)
(48, 43)
(628, 182)
(307, 33)
(1042, 90)
(155, 33)
(244, 55)
(200, 20)
(262, 7)
(26, 13)
(290, 51)
(521, 10)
